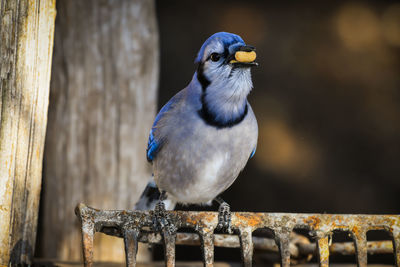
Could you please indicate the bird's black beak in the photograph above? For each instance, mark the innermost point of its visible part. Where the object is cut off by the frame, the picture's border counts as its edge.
(245, 56)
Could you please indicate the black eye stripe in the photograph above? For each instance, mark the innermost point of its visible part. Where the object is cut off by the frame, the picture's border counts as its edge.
(226, 52)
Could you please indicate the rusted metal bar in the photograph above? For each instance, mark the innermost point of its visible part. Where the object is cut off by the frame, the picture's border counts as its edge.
(86, 217)
(360, 239)
(169, 245)
(207, 245)
(131, 245)
(246, 245)
(396, 245)
(269, 244)
(283, 240)
(323, 251)
(321, 226)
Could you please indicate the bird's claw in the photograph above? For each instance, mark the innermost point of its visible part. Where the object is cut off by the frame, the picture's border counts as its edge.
(224, 218)
(161, 220)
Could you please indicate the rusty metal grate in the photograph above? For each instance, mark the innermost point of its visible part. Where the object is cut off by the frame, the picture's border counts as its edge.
(134, 227)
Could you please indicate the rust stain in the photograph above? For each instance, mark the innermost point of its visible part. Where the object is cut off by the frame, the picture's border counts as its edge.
(313, 221)
(205, 223)
(356, 230)
(204, 219)
(252, 220)
(323, 247)
(209, 218)
(191, 221)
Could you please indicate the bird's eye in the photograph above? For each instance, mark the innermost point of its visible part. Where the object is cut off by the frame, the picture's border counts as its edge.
(215, 56)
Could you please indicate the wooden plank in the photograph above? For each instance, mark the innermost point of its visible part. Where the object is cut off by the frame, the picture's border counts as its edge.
(102, 105)
(27, 29)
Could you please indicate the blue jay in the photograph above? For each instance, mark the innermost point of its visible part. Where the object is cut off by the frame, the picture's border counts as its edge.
(204, 136)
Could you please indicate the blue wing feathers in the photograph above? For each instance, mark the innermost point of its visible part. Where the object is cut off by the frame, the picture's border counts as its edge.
(152, 147)
(154, 144)
(252, 153)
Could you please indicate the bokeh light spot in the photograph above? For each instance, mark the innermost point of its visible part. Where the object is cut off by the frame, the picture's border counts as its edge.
(391, 25)
(282, 151)
(357, 26)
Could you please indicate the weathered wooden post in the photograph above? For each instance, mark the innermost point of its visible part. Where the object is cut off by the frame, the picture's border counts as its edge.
(102, 104)
(26, 48)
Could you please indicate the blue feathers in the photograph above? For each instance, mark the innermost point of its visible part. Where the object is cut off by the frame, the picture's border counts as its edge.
(154, 144)
(152, 147)
(253, 152)
(225, 37)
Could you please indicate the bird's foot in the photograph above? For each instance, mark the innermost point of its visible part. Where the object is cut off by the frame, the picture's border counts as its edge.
(224, 218)
(161, 219)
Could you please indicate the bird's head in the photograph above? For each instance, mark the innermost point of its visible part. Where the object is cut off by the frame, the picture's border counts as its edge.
(225, 57)
(224, 63)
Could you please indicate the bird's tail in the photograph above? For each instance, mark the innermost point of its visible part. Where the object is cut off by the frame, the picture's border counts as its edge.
(151, 196)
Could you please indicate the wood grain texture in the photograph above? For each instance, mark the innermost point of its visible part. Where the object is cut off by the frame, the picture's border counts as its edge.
(102, 104)
(27, 30)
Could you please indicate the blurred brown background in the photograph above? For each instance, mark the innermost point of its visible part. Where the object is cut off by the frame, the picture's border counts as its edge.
(326, 96)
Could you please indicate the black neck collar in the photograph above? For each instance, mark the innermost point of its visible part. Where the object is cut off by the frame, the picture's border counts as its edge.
(202, 78)
(209, 117)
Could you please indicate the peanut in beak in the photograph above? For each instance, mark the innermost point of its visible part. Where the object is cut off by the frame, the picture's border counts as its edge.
(244, 57)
